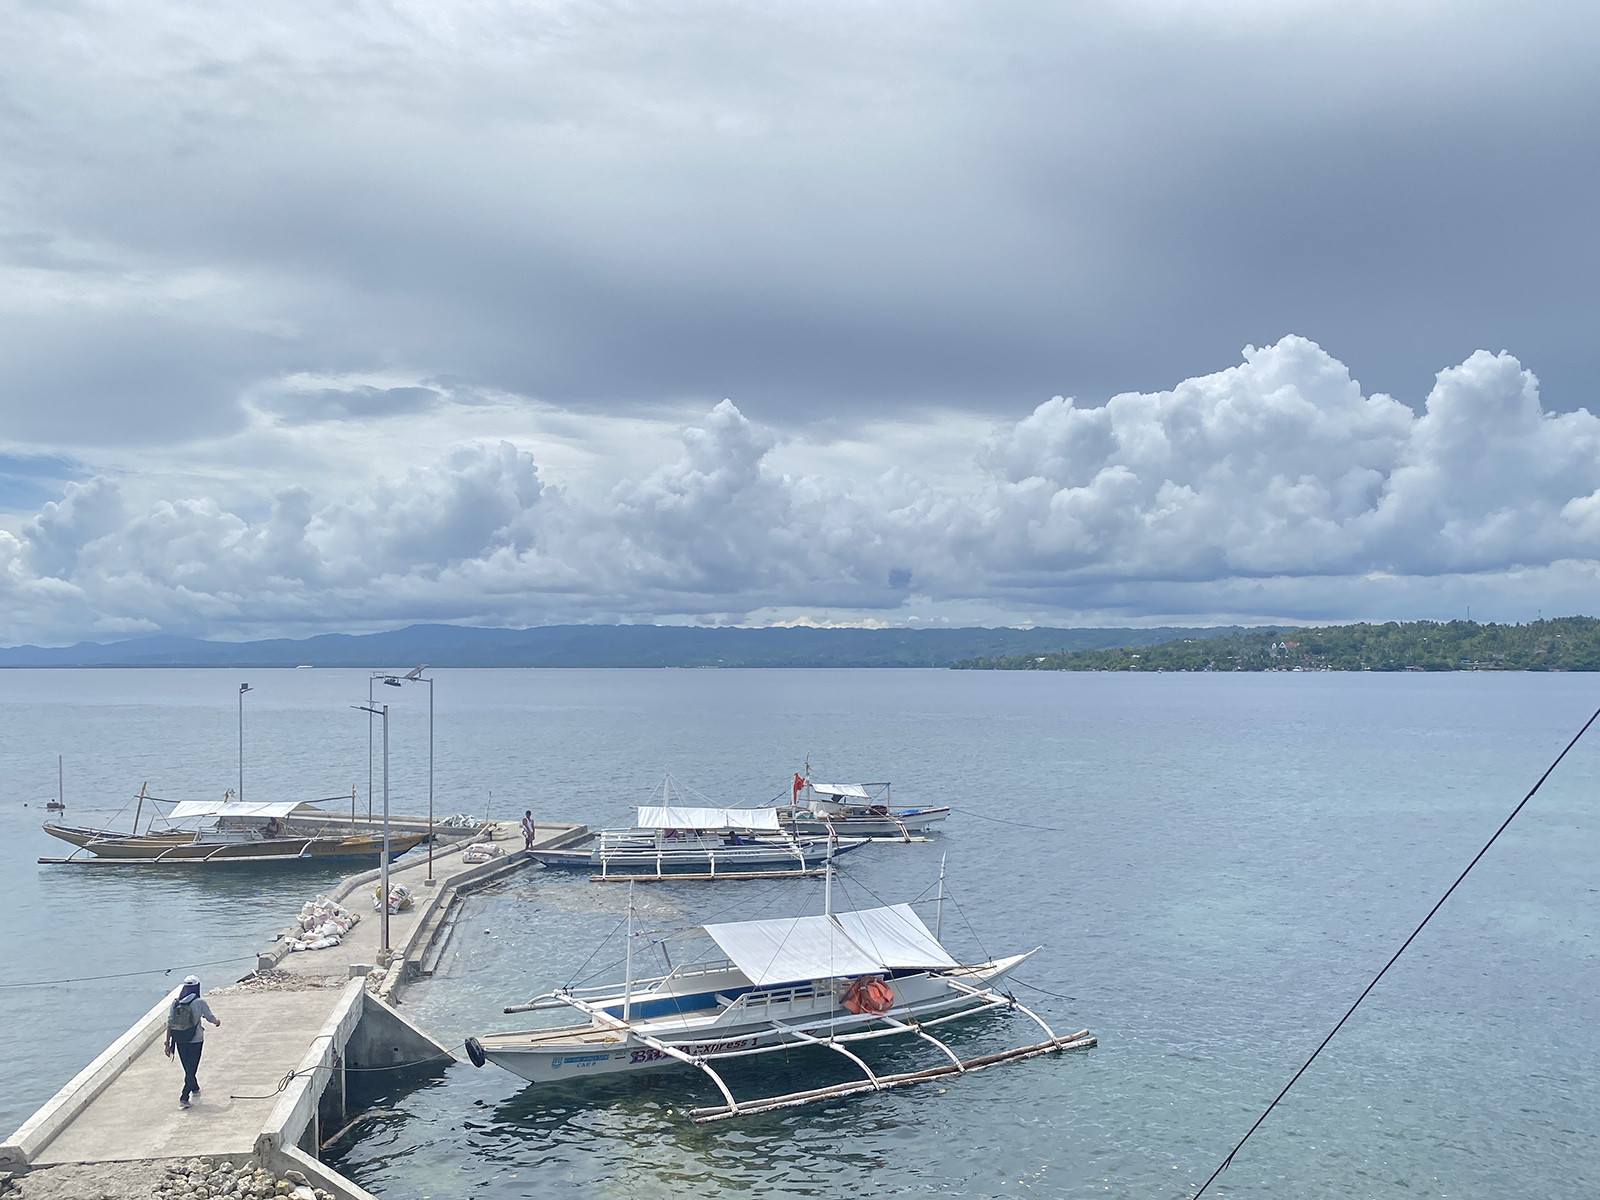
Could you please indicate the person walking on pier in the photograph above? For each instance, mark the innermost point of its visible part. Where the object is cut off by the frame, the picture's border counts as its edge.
(528, 830)
(186, 1033)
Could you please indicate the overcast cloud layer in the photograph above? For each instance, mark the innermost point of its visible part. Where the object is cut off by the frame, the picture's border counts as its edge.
(344, 316)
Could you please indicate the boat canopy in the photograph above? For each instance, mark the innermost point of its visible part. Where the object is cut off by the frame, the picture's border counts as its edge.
(186, 809)
(790, 949)
(853, 790)
(674, 816)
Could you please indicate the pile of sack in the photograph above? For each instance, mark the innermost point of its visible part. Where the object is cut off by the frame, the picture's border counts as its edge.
(323, 923)
(482, 852)
(399, 898)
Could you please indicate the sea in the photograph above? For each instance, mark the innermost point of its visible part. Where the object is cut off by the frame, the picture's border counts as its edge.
(1212, 868)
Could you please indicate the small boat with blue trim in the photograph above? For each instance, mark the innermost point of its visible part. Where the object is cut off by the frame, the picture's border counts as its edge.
(831, 981)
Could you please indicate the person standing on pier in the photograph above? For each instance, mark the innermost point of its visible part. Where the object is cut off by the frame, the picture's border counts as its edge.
(528, 830)
(186, 1033)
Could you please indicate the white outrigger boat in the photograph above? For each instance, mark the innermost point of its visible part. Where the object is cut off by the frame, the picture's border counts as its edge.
(852, 810)
(831, 981)
(682, 842)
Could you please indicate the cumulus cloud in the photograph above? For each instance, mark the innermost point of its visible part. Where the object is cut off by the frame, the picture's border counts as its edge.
(1274, 489)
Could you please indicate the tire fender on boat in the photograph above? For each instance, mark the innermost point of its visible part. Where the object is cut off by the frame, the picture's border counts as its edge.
(475, 1052)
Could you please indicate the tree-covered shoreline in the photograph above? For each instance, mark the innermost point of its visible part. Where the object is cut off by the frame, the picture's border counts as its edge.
(1561, 644)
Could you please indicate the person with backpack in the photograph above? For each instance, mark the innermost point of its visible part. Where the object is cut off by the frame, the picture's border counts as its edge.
(186, 1034)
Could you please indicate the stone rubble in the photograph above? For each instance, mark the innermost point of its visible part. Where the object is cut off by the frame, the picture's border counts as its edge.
(198, 1179)
(285, 981)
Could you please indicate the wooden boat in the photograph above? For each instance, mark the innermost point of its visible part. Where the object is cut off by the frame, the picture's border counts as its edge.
(828, 981)
(679, 840)
(852, 810)
(230, 831)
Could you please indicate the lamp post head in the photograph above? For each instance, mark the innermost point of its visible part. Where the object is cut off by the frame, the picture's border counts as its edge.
(243, 688)
(416, 672)
(392, 681)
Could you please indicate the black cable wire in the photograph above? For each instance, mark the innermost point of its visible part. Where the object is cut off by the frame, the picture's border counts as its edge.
(984, 950)
(1531, 791)
(596, 950)
(129, 974)
(293, 1075)
(1002, 821)
(1044, 991)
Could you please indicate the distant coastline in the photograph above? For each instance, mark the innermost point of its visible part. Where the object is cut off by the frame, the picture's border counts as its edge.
(603, 646)
(1561, 644)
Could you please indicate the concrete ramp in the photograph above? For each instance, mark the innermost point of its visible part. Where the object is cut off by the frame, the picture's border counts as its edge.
(262, 1038)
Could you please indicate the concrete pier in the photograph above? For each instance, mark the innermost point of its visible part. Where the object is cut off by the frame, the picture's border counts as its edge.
(276, 1067)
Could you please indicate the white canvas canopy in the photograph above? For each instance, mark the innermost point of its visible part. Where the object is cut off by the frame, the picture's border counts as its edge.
(858, 943)
(853, 790)
(675, 816)
(896, 936)
(186, 809)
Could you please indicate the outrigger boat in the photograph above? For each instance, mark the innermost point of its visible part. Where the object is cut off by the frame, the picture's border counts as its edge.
(852, 810)
(232, 831)
(831, 981)
(679, 841)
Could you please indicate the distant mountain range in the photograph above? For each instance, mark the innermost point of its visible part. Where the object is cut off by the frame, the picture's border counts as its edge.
(602, 646)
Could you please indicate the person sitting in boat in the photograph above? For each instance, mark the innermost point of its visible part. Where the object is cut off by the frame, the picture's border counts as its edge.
(274, 829)
(733, 839)
(672, 835)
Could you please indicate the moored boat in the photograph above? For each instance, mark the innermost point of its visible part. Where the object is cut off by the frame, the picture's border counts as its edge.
(698, 840)
(828, 981)
(232, 831)
(852, 810)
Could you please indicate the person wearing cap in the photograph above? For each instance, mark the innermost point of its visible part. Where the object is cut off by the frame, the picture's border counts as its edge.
(186, 1033)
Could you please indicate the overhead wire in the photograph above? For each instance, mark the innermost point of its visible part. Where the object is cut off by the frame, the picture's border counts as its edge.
(1226, 1162)
(216, 962)
(1003, 821)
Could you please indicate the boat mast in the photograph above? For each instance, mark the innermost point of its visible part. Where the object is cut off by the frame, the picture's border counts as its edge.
(140, 809)
(938, 912)
(61, 790)
(627, 985)
(827, 886)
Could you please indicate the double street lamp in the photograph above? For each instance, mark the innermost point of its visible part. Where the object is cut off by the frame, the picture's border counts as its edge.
(243, 688)
(415, 676)
(383, 866)
(373, 709)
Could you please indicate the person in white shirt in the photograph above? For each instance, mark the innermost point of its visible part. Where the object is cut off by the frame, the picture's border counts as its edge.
(528, 830)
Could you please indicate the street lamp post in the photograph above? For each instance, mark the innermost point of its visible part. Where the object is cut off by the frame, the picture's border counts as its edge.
(383, 867)
(415, 676)
(243, 688)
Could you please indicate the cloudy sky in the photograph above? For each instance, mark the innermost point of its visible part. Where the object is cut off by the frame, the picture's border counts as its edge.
(339, 316)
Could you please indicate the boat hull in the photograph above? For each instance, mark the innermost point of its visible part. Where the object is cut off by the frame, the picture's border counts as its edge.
(893, 825)
(669, 859)
(184, 849)
(561, 1055)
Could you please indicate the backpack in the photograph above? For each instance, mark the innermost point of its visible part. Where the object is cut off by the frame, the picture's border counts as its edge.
(181, 1018)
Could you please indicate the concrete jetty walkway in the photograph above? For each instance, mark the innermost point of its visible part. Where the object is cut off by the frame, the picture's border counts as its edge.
(289, 1032)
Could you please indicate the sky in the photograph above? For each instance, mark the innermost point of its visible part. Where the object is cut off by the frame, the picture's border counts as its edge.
(341, 316)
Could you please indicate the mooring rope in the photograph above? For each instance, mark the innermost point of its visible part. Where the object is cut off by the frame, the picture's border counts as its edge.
(1531, 791)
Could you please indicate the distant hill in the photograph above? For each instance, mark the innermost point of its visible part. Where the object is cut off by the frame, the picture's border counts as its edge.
(602, 646)
(1563, 644)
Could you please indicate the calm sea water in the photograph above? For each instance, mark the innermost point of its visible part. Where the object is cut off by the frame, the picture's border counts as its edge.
(1214, 865)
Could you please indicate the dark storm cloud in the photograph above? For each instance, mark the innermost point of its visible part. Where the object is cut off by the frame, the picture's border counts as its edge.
(812, 208)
